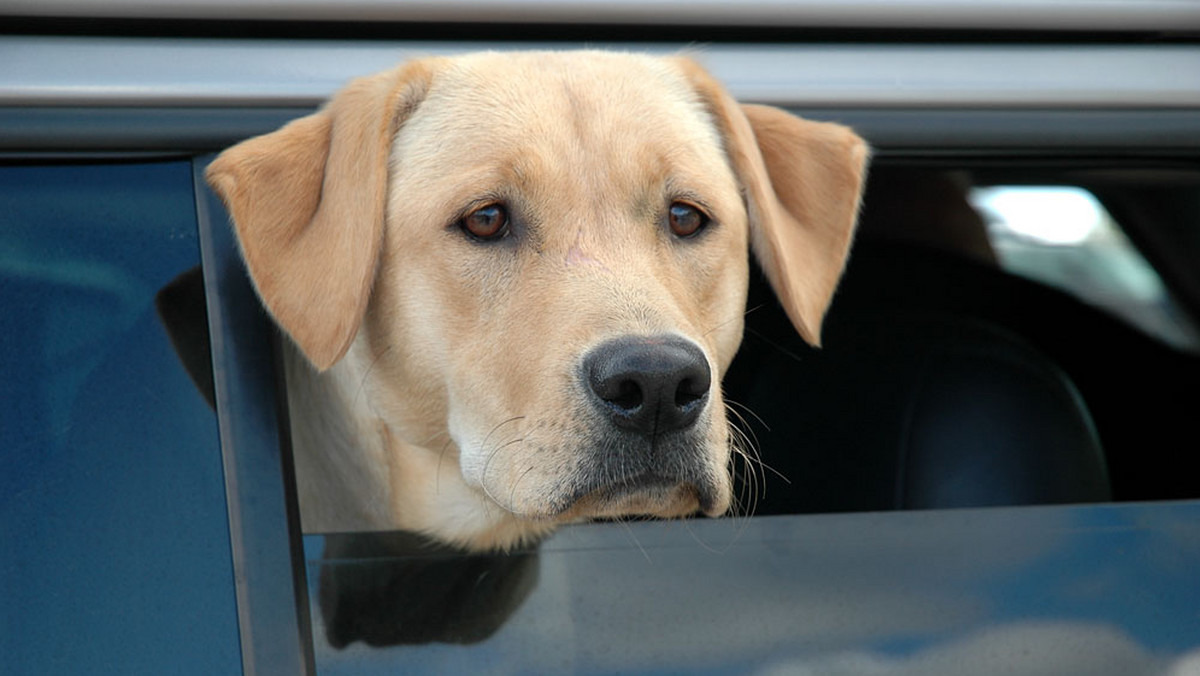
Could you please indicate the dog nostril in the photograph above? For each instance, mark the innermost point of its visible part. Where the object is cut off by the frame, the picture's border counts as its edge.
(628, 396)
(689, 392)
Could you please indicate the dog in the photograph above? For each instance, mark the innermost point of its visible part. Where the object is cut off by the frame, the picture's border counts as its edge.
(511, 283)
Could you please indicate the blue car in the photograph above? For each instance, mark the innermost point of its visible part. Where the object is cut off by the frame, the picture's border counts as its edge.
(988, 468)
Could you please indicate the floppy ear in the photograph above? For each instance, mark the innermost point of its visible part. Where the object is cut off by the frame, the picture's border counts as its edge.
(307, 202)
(803, 181)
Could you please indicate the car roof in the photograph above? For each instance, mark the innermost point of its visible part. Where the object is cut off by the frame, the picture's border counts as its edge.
(1058, 15)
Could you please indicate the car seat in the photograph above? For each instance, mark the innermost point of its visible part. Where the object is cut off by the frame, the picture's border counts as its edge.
(906, 410)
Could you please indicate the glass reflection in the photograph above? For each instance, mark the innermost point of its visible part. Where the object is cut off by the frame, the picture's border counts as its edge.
(401, 588)
(1064, 590)
(1063, 237)
(115, 555)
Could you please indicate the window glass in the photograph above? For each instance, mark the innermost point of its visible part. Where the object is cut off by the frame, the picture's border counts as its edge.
(1063, 590)
(1062, 236)
(116, 552)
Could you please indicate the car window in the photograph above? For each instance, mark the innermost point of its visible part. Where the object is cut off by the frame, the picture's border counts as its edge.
(112, 507)
(1068, 590)
(1062, 236)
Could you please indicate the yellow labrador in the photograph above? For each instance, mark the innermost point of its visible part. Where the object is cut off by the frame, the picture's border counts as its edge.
(512, 283)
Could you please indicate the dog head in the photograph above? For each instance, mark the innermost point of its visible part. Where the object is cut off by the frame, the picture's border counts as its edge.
(543, 258)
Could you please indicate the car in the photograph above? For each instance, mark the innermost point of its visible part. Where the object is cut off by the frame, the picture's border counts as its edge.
(985, 469)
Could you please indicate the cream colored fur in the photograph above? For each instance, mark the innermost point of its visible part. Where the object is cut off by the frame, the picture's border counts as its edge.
(433, 380)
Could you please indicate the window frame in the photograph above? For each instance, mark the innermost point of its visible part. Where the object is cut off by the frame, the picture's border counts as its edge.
(264, 515)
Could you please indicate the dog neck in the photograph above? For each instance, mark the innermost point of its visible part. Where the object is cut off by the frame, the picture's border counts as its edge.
(354, 472)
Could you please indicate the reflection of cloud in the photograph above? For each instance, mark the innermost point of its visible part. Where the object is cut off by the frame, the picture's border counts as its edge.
(1026, 648)
(815, 586)
(893, 594)
(756, 610)
(1188, 665)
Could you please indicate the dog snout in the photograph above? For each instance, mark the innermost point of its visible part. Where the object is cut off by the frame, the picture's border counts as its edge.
(649, 385)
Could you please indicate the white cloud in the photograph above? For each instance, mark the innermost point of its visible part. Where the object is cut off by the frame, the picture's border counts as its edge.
(1034, 648)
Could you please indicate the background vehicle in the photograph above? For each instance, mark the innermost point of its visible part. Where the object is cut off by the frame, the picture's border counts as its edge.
(144, 534)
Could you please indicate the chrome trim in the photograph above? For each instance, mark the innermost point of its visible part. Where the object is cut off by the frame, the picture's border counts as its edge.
(1104, 15)
(62, 71)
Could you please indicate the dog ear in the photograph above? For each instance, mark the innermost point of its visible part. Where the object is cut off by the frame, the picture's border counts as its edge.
(308, 200)
(803, 182)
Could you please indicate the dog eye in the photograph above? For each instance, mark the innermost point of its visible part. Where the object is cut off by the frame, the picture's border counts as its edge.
(685, 219)
(486, 223)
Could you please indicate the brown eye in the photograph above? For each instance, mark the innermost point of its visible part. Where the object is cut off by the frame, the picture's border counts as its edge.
(488, 222)
(685, 219)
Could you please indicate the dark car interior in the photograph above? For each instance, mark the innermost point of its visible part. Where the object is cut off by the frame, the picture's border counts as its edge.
(946, 382)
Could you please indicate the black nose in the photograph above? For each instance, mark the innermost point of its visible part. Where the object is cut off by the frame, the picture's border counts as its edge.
(649, 384)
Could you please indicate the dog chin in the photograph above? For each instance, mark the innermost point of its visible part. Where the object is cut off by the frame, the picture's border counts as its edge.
(648, 495)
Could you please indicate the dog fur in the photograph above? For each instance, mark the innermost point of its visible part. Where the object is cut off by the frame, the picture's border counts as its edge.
(434, 379)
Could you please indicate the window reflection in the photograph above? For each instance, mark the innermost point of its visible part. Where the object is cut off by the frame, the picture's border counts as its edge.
(1063, 237)
(112, 504)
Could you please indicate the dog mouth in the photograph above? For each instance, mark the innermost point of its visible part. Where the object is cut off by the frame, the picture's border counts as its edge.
(647, 494)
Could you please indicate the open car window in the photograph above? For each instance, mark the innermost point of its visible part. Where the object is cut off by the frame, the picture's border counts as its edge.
(652, 598)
